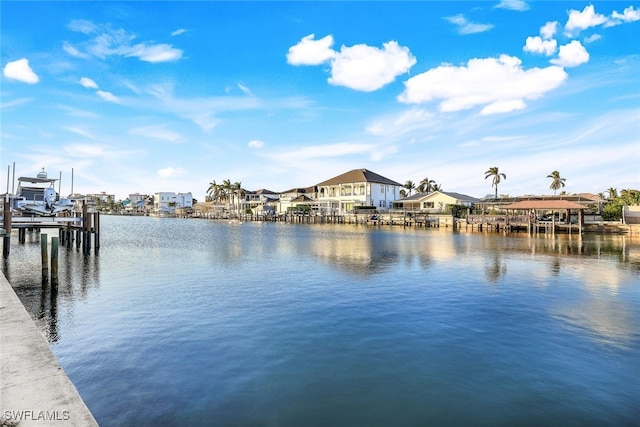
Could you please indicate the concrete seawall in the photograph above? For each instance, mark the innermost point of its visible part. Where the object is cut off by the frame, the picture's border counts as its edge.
(34, 389)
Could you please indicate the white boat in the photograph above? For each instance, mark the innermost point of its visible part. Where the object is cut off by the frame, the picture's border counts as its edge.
(38, 196)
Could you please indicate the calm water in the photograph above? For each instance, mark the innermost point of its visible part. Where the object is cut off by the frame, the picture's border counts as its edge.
(198, 323)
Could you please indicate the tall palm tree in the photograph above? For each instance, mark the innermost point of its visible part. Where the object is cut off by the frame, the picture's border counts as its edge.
(214, 191)
(410, 186)
(238, 192)
(557, 182)
(612, 193)
(426, 186)
(496, 174)
(226, 189)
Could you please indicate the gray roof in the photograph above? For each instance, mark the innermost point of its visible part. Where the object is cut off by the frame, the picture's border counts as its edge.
(359, 175)
(457, 196)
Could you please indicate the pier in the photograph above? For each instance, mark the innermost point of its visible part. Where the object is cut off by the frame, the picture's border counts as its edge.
(81, 228)
(35, 390)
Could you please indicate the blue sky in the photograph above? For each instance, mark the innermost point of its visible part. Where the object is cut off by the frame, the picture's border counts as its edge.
(151, 96)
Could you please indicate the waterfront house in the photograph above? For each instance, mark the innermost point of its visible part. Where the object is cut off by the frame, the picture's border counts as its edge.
(291, 199)
(435, 202)
(261, 200)
(166, 203)
(358, 187)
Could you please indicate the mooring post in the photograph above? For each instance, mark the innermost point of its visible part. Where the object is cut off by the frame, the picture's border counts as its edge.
(6, 222)
(96, 226)
(54, 263)
(44, 254)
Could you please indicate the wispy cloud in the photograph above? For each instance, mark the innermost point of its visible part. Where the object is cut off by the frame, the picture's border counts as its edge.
(88, 83)
(464, 26)
(79, 131)
(517, 5)
(21, 71)
(106, 41)
(15, 103)
(157, 132)
(171, 172)
(178, 32)
(256, 143)
(108, 96)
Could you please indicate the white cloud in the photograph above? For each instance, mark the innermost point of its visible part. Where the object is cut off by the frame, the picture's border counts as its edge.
(170, 172)
(178, 32)
(256, 143)
(519, 5)
(497, 84)
(466, 27)
(571, 55)
(156, 132)
(21, 71)
(368, 68)
(311, 52)
(628, 15)
(88, 83)
(579, 21)
(107, 96)
(155, 52)
(359, 67)
(107, 41)
(537, 45)
(549, 29)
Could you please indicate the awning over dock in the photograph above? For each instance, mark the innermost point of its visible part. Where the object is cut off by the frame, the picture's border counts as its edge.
(544, 205)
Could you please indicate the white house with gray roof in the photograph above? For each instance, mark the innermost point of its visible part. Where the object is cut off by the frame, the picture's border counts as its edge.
(435, 202)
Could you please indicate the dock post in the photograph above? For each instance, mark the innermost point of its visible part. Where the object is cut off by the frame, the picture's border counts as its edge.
(54, 263)
(6, 221)
(44, 254)
(96, 226)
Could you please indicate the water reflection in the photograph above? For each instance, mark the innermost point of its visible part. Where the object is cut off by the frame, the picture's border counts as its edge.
(78, 273)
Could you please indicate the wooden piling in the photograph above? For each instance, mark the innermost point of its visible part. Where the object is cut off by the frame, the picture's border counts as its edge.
(96, 230)
(54, 263)
(6, 239)
(44, 254)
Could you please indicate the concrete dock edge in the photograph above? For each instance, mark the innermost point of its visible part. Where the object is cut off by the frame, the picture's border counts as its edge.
(34, 389)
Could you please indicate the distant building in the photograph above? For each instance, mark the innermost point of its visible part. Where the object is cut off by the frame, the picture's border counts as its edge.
(166, 203)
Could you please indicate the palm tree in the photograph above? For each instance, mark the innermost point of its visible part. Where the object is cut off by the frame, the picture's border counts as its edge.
(214, 191)
(426, 186)
(226, 189)
(436, 187)
(496, 174)
(612, 192)
(409, 185)
(238, 192)
(557, 182)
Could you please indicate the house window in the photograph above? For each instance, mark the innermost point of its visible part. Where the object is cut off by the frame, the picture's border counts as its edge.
(429, 205)
(382, 188)
(383, 203)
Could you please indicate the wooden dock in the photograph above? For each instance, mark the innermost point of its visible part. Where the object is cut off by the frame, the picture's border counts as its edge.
(80, 228)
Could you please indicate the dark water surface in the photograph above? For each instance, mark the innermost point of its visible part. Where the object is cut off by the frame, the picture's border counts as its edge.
(199, 323)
